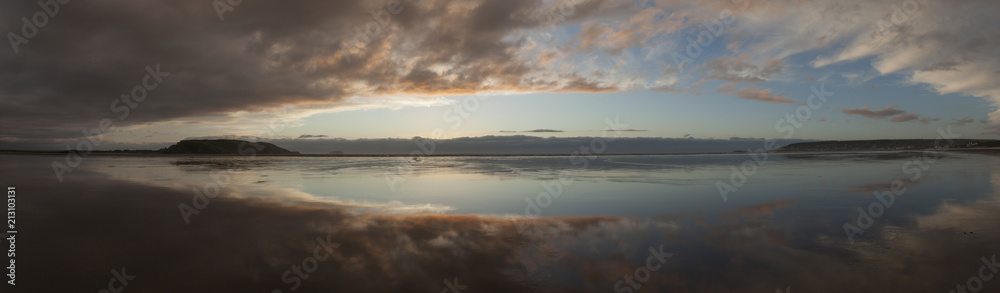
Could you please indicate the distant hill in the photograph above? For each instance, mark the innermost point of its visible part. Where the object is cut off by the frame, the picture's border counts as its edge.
(225, 146)
(885, 144)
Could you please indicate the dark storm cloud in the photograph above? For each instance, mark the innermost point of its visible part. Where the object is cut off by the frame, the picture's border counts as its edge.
(265, 54)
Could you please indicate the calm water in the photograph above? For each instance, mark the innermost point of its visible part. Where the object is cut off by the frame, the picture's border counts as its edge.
(508, 224)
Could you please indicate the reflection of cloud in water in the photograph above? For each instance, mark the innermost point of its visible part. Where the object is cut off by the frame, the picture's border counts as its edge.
(867, 156)
(238, 188)
(604, 168)
(299, 198)
(668, 169)
(91, 224)
(978, 216)
(396, 207)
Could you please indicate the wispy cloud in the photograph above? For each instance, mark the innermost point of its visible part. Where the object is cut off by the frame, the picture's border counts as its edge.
(874, 114)
(544, 130)
(928, 120)
(757, 94)
(631, 130)
(993, 130)
(763, 95)
(531, 131)
(906, 117)
(963, 121)
(952, 57)
(740, 69)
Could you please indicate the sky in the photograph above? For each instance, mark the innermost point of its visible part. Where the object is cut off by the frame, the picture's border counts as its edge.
(160, 71)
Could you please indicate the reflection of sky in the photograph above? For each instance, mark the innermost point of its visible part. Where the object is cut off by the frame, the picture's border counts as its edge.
(635, 186)
(782, 229)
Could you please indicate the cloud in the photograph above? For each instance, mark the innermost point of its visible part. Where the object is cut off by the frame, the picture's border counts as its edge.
(928, 47)
(758, 94)
(928, 120)
(312, 136)
(543, 130)
(874, 114)
(905, 117)
(669, 81)
(305, 55)
(859, 79)
(963, 121)
(994, 130)
(739, 69)
(614, 38)
(266, 55)
(531, 131)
